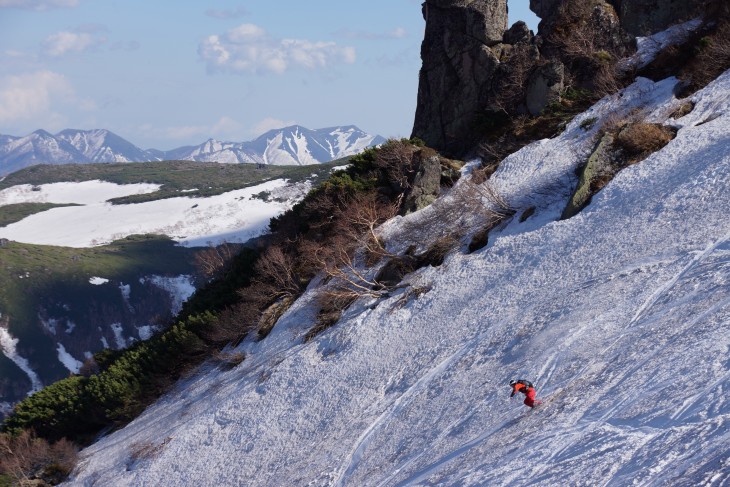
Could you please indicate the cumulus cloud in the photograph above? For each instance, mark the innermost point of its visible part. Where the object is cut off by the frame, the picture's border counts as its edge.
(30, 96)
(235, 13)
(249, 49)
(397, 33)
(269, 123)
(38, 4)
(64, 42)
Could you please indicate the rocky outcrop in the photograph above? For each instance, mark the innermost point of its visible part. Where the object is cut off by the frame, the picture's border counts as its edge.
(458, 68)
(475, 71)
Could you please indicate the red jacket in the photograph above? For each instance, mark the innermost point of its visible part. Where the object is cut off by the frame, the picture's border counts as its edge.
(528, 391)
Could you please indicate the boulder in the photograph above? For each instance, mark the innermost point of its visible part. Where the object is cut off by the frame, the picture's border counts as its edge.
(544, 87)
(519, 32)
(601, 165)
(426, 185)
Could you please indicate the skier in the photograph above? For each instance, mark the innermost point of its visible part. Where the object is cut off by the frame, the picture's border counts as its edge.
(526, 388)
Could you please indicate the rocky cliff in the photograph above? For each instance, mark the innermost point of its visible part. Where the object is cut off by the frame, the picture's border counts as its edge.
(476, 71)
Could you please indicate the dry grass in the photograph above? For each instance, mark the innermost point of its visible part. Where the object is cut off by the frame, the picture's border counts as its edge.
(712, 59)
(644, 138)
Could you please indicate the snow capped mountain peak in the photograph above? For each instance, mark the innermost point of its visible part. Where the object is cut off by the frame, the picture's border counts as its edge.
(293, 145)
(101, 145)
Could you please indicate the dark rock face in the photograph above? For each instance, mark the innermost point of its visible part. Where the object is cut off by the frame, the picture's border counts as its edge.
(519, 32)
(458, 67)
(544, 8)
(645, 17)
(545, 86)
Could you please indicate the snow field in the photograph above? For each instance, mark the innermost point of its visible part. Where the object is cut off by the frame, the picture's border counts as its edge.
(620, 316)
(235, 216)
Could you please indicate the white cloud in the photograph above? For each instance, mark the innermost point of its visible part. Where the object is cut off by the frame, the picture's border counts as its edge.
(397, 33)
(38, 4)
(30, 96)
(269, 123)
(64, 42)
(249, 49)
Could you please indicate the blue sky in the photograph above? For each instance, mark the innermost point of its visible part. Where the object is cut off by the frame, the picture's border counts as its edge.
(164, 74)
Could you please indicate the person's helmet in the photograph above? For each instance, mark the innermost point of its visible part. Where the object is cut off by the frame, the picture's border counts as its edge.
(512, 382)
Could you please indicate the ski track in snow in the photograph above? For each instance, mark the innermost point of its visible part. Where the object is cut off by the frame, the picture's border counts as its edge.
(619, 315)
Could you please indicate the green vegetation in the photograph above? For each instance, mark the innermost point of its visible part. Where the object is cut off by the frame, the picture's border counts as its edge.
(16, 212)
(588, 123)
(177, 178)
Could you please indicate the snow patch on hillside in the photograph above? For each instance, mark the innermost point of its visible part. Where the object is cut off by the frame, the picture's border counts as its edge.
(179, 288)
(8, 346)
(83, 193)
(119, 339)
(68, 361)
(236, 216)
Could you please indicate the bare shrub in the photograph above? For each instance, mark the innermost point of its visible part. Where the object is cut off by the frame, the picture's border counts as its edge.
(485, 200)
(277, 275)
(333, 303)
(644, 138)
(518, 67)
(473, 206)
(359, 219)
(213, 261)
(339, 263)
(26, 457)
(437, 252)
(232, 324)
(396, 159)
(713, 57)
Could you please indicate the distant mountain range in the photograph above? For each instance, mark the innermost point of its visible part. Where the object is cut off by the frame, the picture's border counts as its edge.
(294, 145)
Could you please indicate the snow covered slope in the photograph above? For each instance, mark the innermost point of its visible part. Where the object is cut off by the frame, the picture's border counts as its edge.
(621, 315)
